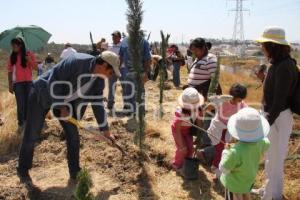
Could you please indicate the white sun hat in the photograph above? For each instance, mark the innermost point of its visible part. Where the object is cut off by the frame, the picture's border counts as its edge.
(112, 59)
(190, 98)
(248, 125)
(273, 34)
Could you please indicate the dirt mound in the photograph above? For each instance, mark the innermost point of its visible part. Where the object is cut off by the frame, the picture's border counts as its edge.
(137, 176)
(121, 175)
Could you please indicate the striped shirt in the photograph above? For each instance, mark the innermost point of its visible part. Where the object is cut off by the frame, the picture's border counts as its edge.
(202, 70)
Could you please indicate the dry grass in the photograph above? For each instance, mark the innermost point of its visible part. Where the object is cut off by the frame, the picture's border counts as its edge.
(9, 139)
(254, 90)
(296, 55)
(164, 144)
(247, 64)
(292, 175)
(159, 181)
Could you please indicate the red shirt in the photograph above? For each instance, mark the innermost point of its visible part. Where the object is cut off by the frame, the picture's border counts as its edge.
(21, 74)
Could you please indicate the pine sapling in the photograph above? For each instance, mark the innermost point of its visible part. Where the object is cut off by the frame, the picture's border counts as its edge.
(211, 91)
(84, 186)
(135, 18)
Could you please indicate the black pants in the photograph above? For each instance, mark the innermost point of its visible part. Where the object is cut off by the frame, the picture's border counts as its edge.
(204, 87)
(209, 150)
(154, 74)
(21, 91)
(35, 120)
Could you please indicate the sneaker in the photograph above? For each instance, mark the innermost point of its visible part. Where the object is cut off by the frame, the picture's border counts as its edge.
(24, 176)
(260, 192)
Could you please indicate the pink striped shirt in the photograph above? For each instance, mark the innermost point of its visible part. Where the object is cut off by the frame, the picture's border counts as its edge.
(228, 109)
(202, 70)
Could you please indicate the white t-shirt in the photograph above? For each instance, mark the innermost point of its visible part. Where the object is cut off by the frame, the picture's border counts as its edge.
(115, 48)
(67, 52)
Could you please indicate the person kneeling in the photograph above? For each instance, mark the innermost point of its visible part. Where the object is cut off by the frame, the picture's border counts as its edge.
(189, 111)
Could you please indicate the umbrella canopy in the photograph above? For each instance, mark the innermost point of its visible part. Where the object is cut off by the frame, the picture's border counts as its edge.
(34, 37)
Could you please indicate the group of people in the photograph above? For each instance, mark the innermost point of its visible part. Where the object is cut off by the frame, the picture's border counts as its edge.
(66, 89)
(253, 133)
(46, 65)
(78, 79)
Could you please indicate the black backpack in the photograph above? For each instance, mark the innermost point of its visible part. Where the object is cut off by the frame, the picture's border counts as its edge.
(295, 104)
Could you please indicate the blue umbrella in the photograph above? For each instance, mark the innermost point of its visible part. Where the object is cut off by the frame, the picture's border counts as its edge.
(34, 37)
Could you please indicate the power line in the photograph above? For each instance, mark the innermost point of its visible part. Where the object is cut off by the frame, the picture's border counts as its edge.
(238, 36)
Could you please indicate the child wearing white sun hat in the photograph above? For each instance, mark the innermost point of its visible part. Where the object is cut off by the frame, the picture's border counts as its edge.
(189, 111)
(239, 164)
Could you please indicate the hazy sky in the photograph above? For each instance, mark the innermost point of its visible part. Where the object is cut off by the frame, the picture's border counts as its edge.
(71, 20)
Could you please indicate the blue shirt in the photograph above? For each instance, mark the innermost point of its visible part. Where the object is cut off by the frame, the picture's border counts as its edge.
(65, 78)
(125, 54)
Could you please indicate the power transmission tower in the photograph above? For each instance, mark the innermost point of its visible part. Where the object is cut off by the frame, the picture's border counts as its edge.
(238, 36)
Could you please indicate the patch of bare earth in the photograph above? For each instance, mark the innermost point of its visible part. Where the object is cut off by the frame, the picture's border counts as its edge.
(138, 175)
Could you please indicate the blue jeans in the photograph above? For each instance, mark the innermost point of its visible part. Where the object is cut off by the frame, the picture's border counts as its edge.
(111, 93)
(21, 91)
(33, 127)
(176, 74)
(131, 90)
(112, 87)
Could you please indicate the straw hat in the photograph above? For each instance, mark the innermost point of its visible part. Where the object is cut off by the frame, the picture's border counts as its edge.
(274, 35)
(248, 125)
(190, 98)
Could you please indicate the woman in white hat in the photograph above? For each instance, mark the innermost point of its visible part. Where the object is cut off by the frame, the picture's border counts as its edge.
(189, 111)
(279, 88)
(239, 164)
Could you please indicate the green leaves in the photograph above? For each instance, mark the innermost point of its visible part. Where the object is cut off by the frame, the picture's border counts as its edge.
(211, 91)
(215, 80)
(84, 185)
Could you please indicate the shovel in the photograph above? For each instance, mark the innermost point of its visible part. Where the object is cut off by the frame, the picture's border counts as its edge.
(201, 129)
(109, 141)
(191, 165)
(190, 168)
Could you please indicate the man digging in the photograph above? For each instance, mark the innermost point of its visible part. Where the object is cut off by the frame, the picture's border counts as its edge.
(67, 89)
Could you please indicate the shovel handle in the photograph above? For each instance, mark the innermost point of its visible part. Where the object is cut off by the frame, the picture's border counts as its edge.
(201, 129)
(109, 141)
(114, 144)
(74, 122)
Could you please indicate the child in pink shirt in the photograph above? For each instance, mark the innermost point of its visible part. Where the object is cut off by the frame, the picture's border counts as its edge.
(189, 111)
(218, 127)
